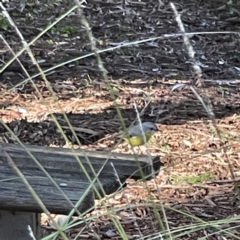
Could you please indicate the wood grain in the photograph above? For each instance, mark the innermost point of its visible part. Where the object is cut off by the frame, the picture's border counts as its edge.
(63, 167)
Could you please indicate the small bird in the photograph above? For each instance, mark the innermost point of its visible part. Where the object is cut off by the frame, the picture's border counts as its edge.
(136, 138)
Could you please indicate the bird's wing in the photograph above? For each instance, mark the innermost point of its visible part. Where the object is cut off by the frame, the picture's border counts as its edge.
(135, 131)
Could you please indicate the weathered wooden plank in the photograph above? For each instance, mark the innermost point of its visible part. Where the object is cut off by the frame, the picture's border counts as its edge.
(66, 172)
(65, 161)
(14, 195)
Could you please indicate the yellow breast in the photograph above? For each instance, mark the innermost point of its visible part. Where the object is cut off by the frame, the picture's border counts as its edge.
(137, 140)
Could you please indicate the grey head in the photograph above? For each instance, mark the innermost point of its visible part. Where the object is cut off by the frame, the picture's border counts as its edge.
(148, 127)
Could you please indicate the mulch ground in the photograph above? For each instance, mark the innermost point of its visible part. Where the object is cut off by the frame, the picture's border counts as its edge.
(201, 166)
